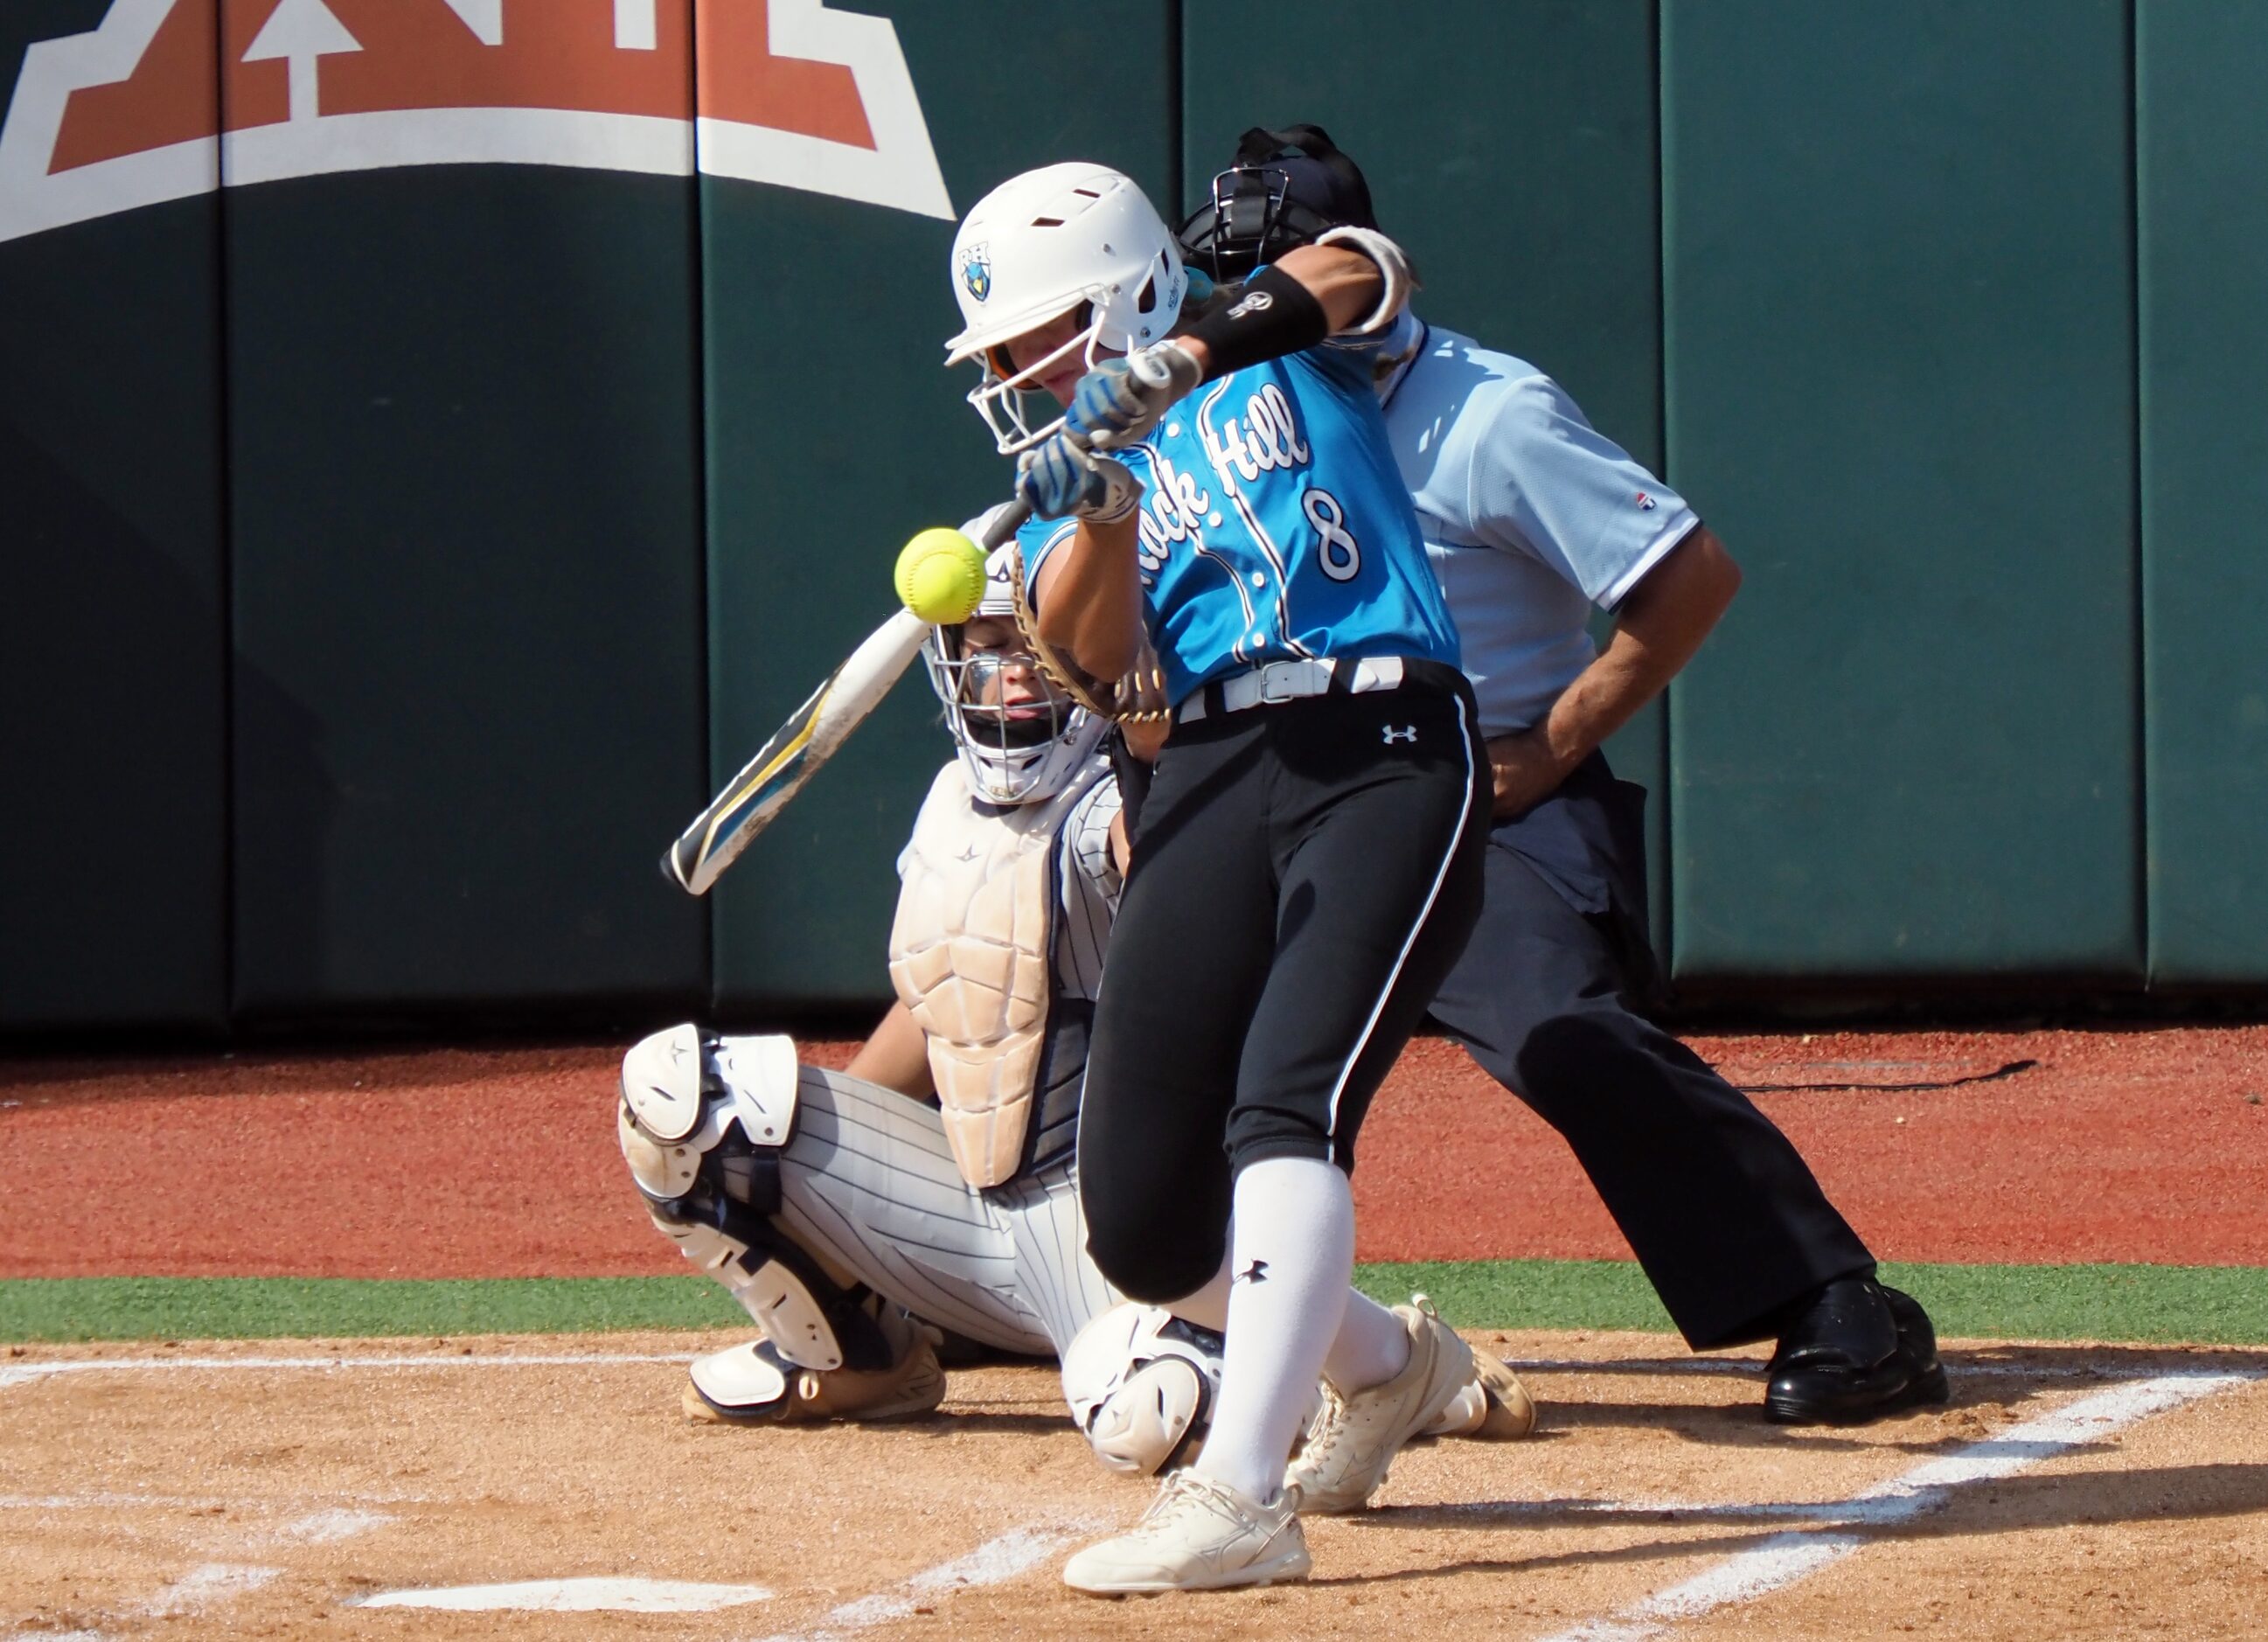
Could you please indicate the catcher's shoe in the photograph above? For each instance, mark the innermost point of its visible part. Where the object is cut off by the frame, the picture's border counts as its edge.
(754, 1385)
(1198, 1535)
(1491, 1407)
(1355, 1435)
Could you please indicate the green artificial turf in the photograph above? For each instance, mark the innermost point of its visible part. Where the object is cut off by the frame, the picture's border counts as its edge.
(2201, 1305)
(2192, 1305)
(272, 1309)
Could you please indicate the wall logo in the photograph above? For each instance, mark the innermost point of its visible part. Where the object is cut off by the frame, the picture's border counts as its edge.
(976, 272)
(168, 99)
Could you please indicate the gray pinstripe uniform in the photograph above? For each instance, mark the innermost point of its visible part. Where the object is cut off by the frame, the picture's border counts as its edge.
(868, 1184)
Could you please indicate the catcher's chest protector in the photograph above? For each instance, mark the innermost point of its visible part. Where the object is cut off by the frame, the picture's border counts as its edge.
(970, 958)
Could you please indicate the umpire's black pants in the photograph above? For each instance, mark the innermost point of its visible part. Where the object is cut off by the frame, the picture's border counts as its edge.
(1307, 874)
(1726, 1219)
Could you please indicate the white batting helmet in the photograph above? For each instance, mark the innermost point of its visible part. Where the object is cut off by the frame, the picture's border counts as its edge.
(1040, 246)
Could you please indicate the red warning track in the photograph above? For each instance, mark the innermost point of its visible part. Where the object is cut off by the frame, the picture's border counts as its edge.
(2145, 1146)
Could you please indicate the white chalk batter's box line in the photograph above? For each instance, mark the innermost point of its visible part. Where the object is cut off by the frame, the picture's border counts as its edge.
(22, 1373)
(25, 1373)
(1738, 1367)
(307, 1510)
(1783, 1559)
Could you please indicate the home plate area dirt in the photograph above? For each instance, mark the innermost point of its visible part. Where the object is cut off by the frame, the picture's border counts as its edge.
(386, 1488)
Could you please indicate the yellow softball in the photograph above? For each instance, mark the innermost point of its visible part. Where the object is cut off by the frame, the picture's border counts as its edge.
(940, 575)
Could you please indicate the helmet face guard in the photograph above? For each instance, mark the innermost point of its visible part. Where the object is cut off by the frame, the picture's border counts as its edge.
(999, 396)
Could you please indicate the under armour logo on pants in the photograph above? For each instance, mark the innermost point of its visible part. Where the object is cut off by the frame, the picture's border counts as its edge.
(1257, 1272)
(1408, 732)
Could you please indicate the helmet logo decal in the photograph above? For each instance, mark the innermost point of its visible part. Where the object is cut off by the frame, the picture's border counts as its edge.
(977, 271)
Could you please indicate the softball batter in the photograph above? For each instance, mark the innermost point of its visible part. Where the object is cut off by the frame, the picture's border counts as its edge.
(1312, 838)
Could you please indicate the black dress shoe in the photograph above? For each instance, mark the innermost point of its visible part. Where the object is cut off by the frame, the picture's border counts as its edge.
(1857, 1351)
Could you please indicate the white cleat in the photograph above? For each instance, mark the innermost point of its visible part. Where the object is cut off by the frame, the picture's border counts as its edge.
(1492, 1406)
(1197, 1535)
(1357, 1434)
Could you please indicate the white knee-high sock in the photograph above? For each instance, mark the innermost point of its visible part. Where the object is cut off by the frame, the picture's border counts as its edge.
(1372, 1347)
(1292, 1255)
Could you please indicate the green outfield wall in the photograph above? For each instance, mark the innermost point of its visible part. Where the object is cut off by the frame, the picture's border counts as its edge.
(1899, 317)
(833, 436)
(438, 438)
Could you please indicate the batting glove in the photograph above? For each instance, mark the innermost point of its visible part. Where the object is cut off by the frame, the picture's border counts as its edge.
(1120, 400)
(1058, 478)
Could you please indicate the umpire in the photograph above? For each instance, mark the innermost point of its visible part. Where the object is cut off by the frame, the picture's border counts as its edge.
(1532, 518)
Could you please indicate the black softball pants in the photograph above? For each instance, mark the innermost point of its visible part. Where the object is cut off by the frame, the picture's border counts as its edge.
(1308, 874)
(1720, 1209)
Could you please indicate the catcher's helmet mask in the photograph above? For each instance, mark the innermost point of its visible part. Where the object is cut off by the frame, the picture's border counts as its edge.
(981, 693)
(1023, 753)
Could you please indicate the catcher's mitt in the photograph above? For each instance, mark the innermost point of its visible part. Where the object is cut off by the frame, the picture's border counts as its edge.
(1139, 697)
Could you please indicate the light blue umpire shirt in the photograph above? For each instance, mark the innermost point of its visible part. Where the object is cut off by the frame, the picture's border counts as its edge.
(1531, 517)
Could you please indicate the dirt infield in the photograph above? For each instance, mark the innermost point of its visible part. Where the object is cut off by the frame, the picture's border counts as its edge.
(284, 1489)
(2070, 1492)
(2145, 1146)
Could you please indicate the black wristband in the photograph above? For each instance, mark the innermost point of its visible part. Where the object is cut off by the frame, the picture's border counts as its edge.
(1274, 315)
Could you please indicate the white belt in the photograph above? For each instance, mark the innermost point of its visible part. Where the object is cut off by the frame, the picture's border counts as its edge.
(1293, 681)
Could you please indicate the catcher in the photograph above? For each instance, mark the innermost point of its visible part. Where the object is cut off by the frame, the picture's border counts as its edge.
(931, 1185)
